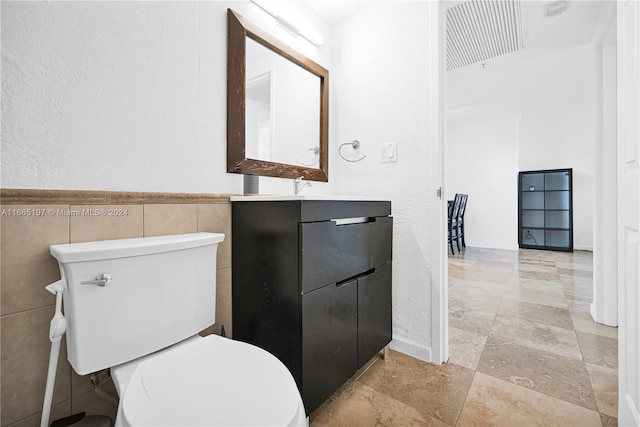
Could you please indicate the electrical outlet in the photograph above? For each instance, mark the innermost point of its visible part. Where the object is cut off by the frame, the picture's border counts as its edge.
(388, 152)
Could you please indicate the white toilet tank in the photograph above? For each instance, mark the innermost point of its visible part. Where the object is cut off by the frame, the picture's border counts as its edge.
(162, 290)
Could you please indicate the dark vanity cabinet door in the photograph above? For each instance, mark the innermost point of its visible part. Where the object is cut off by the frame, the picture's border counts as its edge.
(374, 312)
(329, 340)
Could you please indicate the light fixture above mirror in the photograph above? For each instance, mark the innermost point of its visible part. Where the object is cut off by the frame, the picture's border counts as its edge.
(307, 34)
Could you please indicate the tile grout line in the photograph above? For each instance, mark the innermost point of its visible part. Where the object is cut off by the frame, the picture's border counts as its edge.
(475, 371)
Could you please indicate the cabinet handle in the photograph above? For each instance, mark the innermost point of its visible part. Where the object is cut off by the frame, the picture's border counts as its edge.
(344, 282)
(366, 273)
(351, 221)
(356, 277)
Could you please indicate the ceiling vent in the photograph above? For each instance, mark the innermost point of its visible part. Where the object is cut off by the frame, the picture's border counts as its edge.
(480, 30)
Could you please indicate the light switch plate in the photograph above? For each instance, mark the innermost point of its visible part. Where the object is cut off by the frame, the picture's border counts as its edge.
(388, 152)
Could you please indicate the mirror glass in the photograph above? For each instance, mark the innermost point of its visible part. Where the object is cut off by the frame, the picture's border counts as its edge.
(277, 106)
(282, 109)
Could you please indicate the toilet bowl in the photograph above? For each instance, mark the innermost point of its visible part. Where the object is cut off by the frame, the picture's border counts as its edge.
(211, 381)
(137, 305)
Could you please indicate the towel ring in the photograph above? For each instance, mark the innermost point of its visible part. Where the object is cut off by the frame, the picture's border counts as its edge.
(355, 145)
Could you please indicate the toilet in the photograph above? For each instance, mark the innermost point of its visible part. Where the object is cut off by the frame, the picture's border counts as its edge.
(137, 305)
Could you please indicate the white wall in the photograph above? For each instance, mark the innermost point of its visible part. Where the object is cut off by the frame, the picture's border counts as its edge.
(562, 140)
(482, 160)
(549, 99)
(380, 95)
(125, 96)
(131, 96)
(604, 308)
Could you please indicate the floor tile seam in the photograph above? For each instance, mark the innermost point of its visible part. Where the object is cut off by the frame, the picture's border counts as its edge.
(375, 390)
(574, 272)
(493, 313)
(596, 336)
(542, 324)
(387, 395)
(475, 371)
(540, 393)
(595, 401)
(569, 359)
(604, 413)
(573, 325)
(589, 277)
(337, 394)
(464, 402)
(584, 330)
(485, 278)
(552, 354)
(493, 321)
(529, 320)
(591, 384)
(603, 367)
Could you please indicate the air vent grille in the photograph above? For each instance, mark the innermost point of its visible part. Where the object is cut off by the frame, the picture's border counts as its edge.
(480, 30)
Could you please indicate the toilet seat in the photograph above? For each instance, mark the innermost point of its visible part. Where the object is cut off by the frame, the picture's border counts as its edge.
(212, 381)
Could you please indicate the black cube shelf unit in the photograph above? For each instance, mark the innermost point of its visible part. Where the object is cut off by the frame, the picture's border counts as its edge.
(545, 209)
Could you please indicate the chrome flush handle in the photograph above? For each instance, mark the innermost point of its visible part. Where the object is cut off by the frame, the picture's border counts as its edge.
(101, 280)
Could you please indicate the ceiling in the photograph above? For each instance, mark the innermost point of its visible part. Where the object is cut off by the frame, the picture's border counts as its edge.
(541, 35)
(335, 11)
(575, 26)
(552, 65)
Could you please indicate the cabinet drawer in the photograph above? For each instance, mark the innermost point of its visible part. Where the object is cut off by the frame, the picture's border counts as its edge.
(332, 252)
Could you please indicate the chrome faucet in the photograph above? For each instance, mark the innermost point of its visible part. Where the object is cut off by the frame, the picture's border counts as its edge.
(298, 185)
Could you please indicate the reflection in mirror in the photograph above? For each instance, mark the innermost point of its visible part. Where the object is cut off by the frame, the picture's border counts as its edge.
(258, 123)
(282, 111)
(277, 107)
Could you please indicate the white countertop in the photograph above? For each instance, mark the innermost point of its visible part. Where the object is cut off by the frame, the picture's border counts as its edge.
(291, 197)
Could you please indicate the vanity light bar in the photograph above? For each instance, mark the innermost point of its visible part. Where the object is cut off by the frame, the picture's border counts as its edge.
(311, 36)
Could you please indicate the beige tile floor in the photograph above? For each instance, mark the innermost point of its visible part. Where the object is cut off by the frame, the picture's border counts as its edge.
(523, 352)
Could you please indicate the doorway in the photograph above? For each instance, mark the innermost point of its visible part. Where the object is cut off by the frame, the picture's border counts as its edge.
(496, 112)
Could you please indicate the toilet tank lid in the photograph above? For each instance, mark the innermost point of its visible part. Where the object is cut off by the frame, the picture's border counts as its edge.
(121, 248)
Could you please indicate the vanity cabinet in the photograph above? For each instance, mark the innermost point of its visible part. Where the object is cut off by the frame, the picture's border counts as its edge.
(312, 285)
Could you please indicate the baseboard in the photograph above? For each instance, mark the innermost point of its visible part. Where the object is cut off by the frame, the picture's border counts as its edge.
(516, 247)
(411, 348)
(592, 312)
(493, 246)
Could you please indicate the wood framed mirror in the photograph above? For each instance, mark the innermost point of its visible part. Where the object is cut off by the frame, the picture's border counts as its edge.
(277, 106)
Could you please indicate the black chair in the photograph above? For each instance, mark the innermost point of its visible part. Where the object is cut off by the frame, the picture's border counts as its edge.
(449, 211)
(460, 221)
(454, 213)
